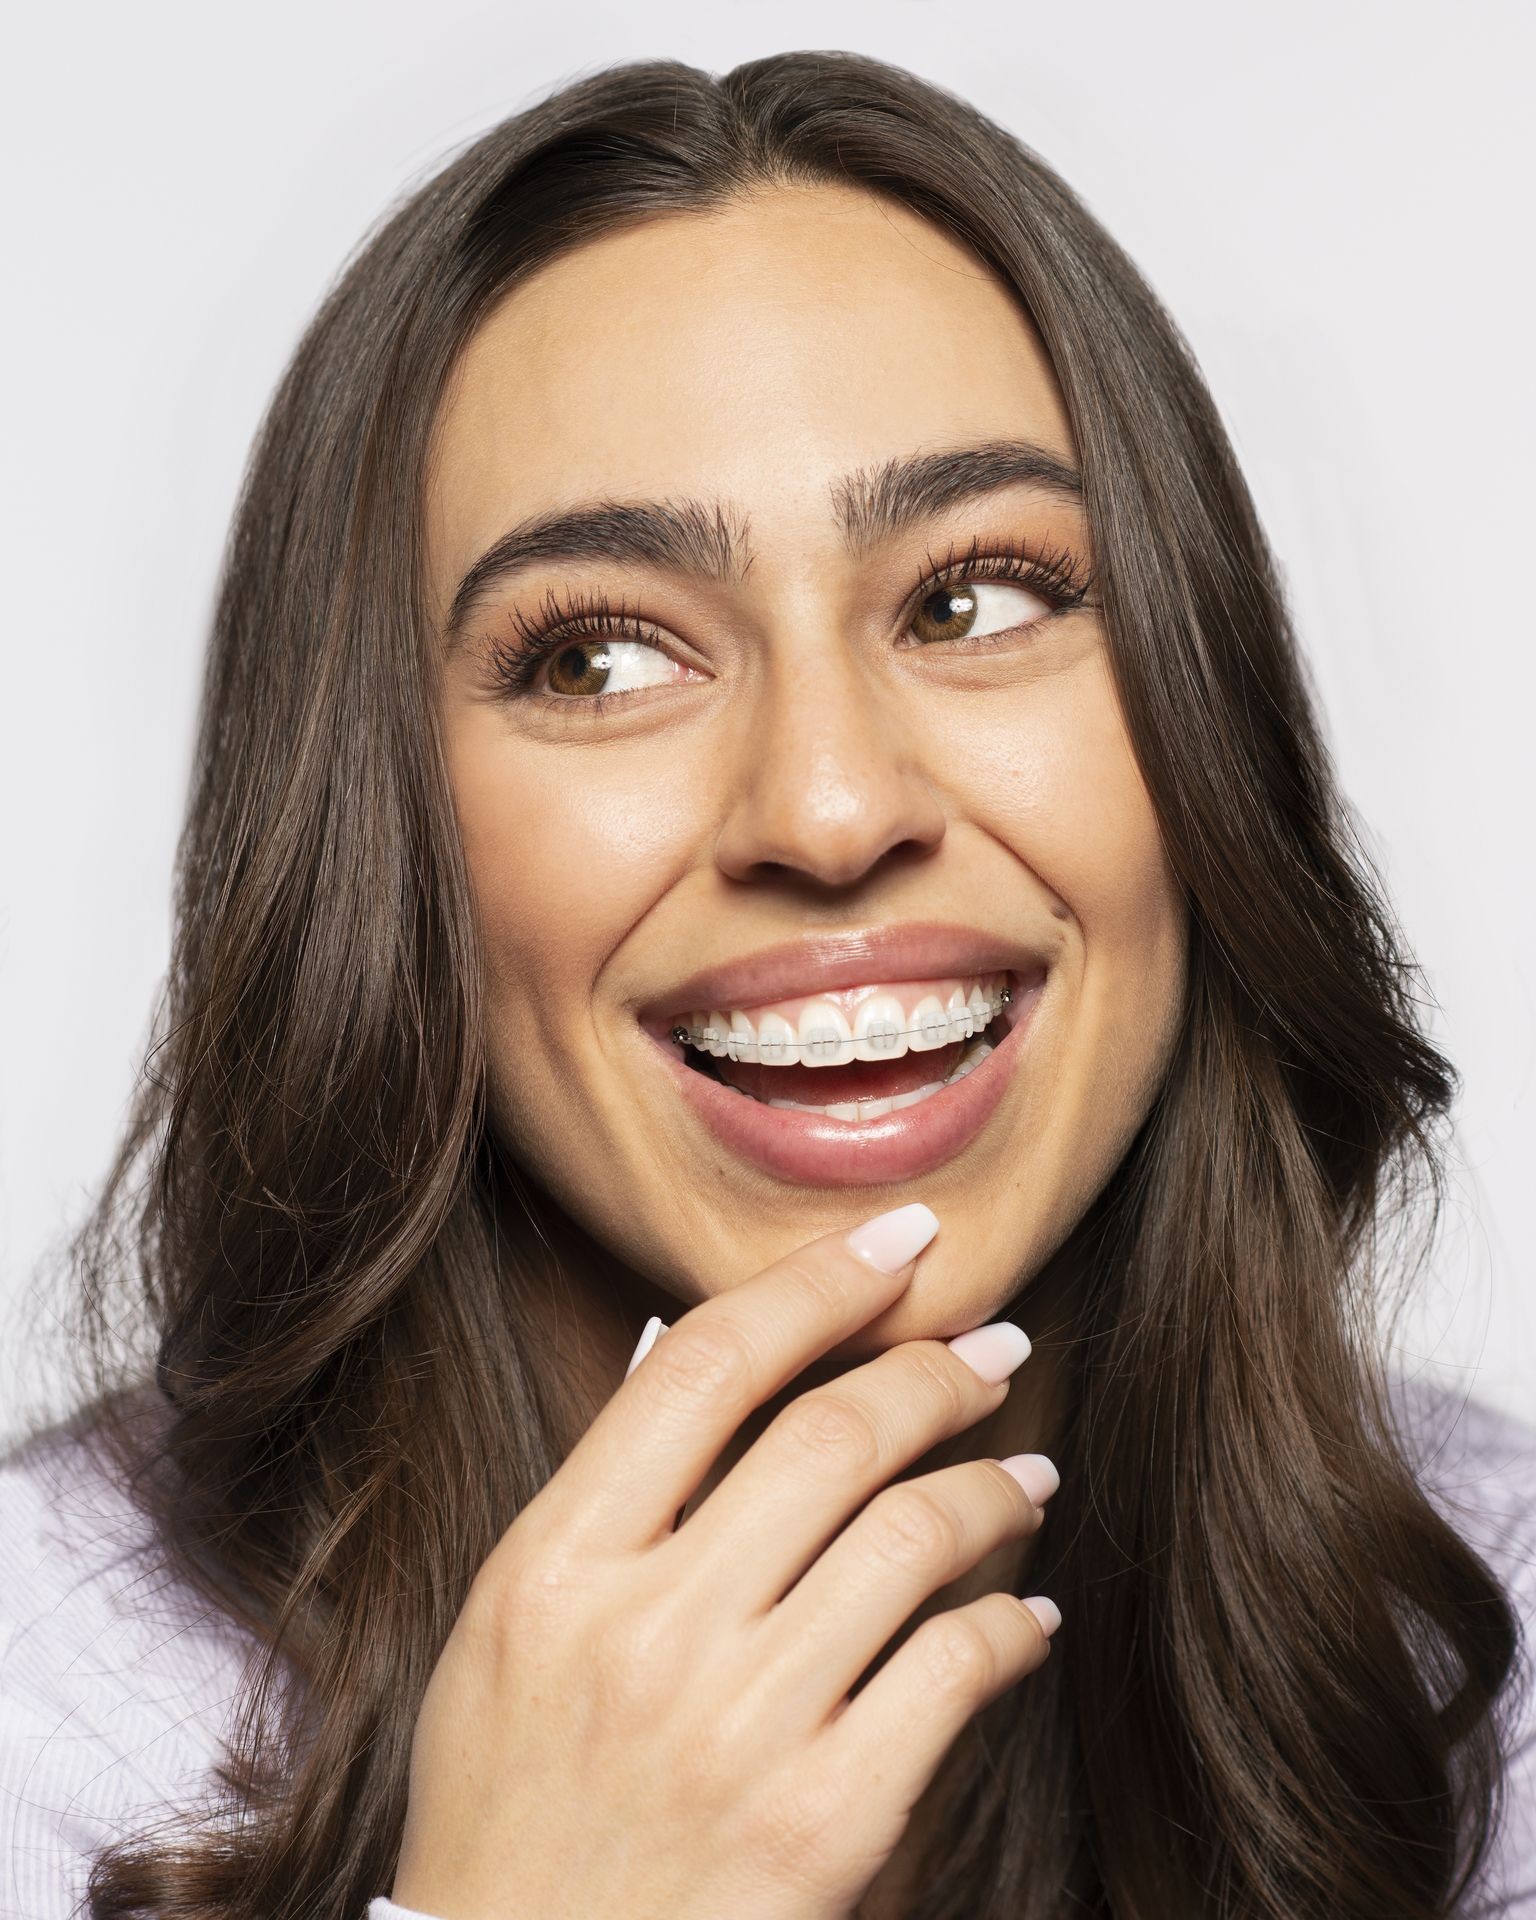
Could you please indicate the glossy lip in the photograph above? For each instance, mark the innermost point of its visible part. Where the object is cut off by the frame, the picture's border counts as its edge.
(813, 1151)
(821, 963)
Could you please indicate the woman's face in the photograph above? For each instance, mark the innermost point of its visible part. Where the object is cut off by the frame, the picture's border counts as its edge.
(833, 771)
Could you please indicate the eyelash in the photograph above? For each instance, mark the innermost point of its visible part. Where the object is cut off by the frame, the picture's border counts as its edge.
(1054, 573)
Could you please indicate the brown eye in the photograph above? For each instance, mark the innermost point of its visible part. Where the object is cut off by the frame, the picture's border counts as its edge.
(609, 667)
(581, 669)
(946, 614)
(973, 609)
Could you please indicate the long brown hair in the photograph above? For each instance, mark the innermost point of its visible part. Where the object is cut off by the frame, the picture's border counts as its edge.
(1283, 1686)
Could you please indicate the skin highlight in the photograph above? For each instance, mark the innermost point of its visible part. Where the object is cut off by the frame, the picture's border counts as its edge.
(800, 764)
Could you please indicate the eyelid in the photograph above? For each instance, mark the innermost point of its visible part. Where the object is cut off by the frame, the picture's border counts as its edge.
(1051, 573)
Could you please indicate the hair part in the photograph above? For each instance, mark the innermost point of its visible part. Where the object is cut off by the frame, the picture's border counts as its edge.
(1281, 1693)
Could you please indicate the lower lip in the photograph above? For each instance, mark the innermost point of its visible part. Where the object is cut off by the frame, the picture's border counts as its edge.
(817, 1152)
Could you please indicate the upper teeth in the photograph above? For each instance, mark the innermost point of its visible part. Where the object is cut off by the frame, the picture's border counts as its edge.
(819, 1032)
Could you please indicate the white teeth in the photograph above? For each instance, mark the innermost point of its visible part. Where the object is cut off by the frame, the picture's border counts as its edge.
(861, 1109)
(882, 1028)
(874, 1109)
(878, 1029)
(931, 1025)
(918, 1093)
(972, 1057)
(741, 1041)
(826, 1040)
(777, 1040)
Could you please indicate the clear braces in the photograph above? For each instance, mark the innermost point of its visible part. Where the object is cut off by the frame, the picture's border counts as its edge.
(704, 1038)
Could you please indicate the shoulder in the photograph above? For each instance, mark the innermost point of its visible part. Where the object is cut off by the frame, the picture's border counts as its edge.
(117, 1682)
(1477, 1465)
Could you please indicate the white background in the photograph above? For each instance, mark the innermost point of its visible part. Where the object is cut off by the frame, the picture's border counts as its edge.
(1332, 199)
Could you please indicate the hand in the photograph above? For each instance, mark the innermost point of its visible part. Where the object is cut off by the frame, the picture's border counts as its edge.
(628, 1719)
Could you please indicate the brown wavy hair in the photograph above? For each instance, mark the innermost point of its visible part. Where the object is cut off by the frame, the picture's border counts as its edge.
(1283, 1689)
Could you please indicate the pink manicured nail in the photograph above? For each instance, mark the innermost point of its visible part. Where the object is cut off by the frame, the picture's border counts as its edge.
(994, 1350)
(1045, 1611)
(1035, 1473)
(653, 1327)
(891, 1239)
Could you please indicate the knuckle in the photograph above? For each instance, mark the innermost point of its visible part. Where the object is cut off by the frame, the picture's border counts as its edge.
(827, 1424)
(521, 1602)
(827, 1285)
(527, 1608)
(913, 1530)
(724, 1738)
(958, 1657)
(705, 1364)
(631, 1660)
(948, 1378)
(793, 1835)
(514, 1594)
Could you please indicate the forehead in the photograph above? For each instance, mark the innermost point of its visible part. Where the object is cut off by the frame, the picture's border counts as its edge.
(754, 353)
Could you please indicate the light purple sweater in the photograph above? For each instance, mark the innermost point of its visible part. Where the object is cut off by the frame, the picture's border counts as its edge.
(116, 1683)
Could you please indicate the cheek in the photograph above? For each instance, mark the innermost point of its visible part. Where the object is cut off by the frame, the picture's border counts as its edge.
(1053, 778)
(567, 850)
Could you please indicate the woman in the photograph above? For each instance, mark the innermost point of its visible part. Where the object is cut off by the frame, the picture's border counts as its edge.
(754, 779)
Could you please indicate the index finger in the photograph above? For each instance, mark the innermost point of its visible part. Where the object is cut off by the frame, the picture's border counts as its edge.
(636, 1466)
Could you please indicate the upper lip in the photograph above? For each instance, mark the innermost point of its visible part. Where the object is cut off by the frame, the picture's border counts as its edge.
(823, 962)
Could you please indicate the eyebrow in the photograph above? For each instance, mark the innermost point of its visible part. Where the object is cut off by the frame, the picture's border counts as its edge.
(709, 538)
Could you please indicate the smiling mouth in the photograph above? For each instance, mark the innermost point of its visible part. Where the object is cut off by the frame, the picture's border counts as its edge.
(856, 1055)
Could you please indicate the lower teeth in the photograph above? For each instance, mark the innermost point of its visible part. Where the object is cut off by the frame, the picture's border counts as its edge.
(975, 1052)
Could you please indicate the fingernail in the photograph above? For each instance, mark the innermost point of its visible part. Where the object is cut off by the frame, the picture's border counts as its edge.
(653, 1327)
(1045, 1611)
(891, 1239)
(994, 1350)
(1035, 1474)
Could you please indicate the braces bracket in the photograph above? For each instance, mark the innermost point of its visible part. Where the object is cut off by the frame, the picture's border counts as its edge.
(685, 1039)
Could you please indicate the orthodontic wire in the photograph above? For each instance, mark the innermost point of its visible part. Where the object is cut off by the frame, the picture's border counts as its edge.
(684, 1037)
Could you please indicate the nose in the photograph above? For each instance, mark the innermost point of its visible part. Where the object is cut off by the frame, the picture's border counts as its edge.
(828, 781)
